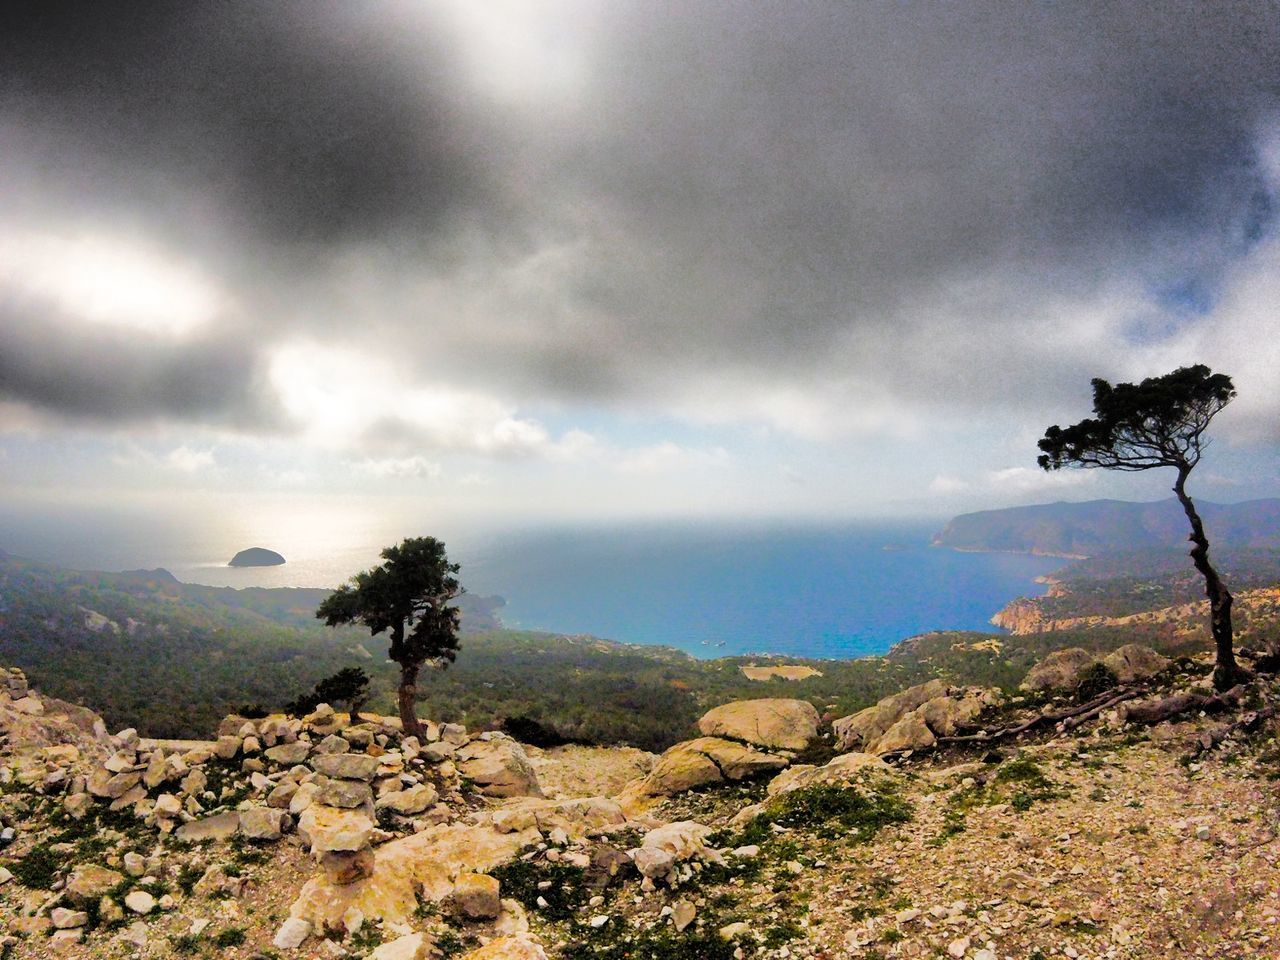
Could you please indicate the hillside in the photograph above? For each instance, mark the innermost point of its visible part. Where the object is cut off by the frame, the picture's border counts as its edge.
(1069, 823)
(171, 659)
(1106, 526)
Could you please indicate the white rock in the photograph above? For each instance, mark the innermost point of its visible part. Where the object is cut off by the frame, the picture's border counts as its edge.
(291, 934)
(139, 901)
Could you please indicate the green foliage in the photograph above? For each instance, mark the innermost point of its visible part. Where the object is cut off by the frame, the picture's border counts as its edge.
(831, 810)
(1159, 422)
(39, 868)
(230, 937)
(1095, 679)
(567, 892)
(349, 687)
(407, 596)
(612, 942)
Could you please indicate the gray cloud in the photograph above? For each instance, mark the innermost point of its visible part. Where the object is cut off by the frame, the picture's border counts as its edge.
(97, 373)
(905, 203)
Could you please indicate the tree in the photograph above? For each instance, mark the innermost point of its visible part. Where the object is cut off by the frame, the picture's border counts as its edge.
(350, 686)
(407, 596)
(1159, 422)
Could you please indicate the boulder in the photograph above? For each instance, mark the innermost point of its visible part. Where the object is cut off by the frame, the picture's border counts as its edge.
(288, 754)
(518, 947)
(408, 802)
(89, 882)
(909, 733)
(346, 766)
(221, 826)
(475, 896)
(292, 934)
(696, 763)
(1134, 661)
(343, 793)
(846, 768)
(1060, 670)
(866, 725)
(326, 829)
(499, 767)
(781, 724)
(946, 716)
(264, 823)
(422, 865)
(579, 816)
(412, 946)
(139, 901)
(663, 849)
(227, 747)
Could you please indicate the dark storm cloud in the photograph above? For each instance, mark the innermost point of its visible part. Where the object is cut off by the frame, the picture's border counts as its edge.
(302, 122)
(60, 365)
(903, 201)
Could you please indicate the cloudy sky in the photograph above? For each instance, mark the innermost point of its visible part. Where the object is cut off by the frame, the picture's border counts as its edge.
(571, 259)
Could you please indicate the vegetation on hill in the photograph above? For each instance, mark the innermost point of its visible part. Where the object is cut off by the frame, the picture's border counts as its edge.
(173, 658)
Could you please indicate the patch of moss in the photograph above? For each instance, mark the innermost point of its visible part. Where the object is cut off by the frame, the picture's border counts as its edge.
(563, 887)
(39, 868)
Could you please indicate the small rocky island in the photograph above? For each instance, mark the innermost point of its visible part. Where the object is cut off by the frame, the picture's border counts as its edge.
(256, 557)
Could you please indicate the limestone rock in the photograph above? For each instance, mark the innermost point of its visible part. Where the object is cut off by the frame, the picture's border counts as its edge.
(1134, 661)
(343, 793)
(499, 767)
(88, 882)
(64, 919)
(218, 827)
(412, 946)
(424, 864)
(139, 901)
(909, 733)
(292, 934)
(264, 823)
(519, 947)
(668, 846)
(476, 897)
(695, 763)
(346, 766)
(867, 725)
(1060, 670)
(324, 828)
(781, 724)
(845, 768)
(407, 802)
(288, 754)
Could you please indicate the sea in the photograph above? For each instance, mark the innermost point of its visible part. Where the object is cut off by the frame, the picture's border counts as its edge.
(711, 589)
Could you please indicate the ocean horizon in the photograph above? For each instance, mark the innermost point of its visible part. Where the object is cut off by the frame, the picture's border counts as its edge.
(710, 589)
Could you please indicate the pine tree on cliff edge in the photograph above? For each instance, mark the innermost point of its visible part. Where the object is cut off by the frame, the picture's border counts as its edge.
(1159, 422)
(408, 597)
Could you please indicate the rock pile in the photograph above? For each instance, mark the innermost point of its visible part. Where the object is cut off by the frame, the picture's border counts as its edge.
(914, 718)
(1063, 670)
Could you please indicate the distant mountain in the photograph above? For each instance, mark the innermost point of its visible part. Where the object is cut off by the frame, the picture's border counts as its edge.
(1098, 527)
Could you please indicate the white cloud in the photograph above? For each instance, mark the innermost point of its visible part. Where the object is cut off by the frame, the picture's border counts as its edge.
(1033, 479)
(661, 457)
(392, 467)
(188, 460)
(110, 280)
(946, 484)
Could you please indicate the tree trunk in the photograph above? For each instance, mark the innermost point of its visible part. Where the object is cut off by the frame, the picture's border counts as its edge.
(1226, 673)
(407, 696)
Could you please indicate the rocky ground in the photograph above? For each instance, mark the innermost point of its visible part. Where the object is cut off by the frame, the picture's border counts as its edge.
(771, 835)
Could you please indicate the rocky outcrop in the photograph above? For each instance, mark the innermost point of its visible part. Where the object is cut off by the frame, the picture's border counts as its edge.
(769, 723)
(846, 768)
(499, 766)
(1060, 670)
(697, 763)
(1134, 661)
(914, 718)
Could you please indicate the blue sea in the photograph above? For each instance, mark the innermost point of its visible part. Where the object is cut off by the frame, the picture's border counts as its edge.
(710, 589)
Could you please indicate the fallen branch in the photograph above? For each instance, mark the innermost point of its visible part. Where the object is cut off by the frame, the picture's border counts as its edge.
(1070, 718)
(1151, 712)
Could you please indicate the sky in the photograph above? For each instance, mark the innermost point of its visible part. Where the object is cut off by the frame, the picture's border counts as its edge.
(547, 261)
